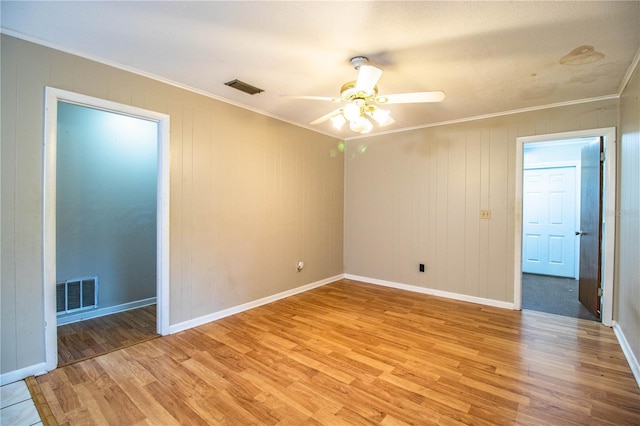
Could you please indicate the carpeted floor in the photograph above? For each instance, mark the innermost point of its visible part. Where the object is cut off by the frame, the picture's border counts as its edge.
(554, 295)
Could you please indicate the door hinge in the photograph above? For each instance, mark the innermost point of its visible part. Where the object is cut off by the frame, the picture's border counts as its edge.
(600, 292)
(602, 156)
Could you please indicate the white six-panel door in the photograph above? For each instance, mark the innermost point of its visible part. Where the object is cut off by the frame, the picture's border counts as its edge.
(549, 221)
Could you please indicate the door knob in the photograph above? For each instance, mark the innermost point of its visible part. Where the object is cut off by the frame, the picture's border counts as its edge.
(580, 233)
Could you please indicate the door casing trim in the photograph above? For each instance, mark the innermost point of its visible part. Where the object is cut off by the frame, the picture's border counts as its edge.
(52, 97)
(608, 214)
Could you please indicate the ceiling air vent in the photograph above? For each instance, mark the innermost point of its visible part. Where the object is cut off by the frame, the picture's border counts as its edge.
(243, 87)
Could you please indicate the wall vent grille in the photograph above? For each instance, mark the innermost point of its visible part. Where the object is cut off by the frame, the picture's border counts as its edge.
(77, 294)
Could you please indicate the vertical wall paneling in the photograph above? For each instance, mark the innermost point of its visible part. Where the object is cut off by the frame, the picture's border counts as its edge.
(483, 242)
(464, 167)
(441, 203)
(627, 282)
(177, 239)
(9, 90)
(472, 222)
(28, 205)
(456, 213)
(185, 259)
(243, 186)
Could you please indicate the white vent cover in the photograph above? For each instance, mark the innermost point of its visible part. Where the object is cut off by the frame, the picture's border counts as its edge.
(77, 294)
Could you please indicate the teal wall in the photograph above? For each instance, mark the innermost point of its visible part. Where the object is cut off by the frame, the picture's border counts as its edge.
(106, 202)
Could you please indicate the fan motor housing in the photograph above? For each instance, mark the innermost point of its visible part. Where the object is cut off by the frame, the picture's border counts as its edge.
(348, 92)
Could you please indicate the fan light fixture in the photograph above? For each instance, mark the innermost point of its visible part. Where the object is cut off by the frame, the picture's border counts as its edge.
(358, 113)
(359, 108)
(360, 99)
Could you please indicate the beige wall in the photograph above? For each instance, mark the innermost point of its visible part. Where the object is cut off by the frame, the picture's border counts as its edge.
(249, 200)
(415, 197)
(627, 297)
(250, 195)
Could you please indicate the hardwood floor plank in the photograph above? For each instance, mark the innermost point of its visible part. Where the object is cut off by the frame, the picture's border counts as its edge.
(356, 354)
(86, 339)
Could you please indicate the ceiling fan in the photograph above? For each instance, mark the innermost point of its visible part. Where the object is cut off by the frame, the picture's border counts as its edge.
(361, 101)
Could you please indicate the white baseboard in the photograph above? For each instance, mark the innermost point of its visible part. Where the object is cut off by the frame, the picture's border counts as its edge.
(628, 353)
(100, 312)
(249, 305)
(15, 375)
(433, 292)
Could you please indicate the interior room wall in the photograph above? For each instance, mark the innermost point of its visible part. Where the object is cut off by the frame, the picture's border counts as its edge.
(415, 197)
(106, 202)
(627, 277)
(250, 195)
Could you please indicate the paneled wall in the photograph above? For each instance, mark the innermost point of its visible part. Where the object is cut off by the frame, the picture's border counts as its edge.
(627, 296)
(250, 195)
(415, 197)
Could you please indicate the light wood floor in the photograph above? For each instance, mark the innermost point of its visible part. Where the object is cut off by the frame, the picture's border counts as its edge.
(353, 353)
(97, 336)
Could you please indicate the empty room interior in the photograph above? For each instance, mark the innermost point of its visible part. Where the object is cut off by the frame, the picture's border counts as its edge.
(320, 212)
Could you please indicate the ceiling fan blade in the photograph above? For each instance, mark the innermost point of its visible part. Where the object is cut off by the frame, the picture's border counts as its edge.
(389, 121)
(383, 119)
(326, 117)
(368, 77)
(313, 98)
(409, 98)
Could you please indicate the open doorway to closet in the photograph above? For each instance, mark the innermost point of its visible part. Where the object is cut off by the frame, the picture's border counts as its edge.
(106, 226)
(106, 186)
(565, 254)
(551, 202)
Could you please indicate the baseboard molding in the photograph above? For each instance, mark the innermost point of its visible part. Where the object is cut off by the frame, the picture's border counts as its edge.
(628, 353)
(249, 305)
(100, 312)
(22, 373)
(433, 292)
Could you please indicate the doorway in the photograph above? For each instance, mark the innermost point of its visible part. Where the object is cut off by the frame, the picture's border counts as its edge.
(64, 213)
(547, 262)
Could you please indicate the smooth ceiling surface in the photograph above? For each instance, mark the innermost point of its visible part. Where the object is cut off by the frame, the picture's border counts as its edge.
(489, 57)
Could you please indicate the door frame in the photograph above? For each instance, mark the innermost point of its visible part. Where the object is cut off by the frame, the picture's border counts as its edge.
(52, 97)
(608, 214)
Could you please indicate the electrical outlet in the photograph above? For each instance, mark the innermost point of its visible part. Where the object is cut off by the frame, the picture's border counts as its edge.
(485, 214)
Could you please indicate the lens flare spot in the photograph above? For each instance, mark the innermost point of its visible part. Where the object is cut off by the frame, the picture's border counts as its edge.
(362, 149)
(341, 146)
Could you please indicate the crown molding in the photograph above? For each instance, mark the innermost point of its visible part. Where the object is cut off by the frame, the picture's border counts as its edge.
(133, 70)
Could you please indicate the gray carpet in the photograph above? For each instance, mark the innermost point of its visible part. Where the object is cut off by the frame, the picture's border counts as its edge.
(554, 295)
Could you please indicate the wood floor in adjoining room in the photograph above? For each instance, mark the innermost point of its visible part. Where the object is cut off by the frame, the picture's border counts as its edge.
(98, 336)
(350, 353)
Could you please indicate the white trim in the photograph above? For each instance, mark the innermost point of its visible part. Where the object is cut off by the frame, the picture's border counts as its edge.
(487, 116)
(250, 305)
(628, 352)
(120, 66)
(52, 96)
(100, 312)
(433, 292)
(15, 375)
(155, 77)
(608, 216)
(552, 165)
(629, 74)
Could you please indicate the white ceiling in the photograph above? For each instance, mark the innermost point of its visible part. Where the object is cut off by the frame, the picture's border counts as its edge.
(488, 57)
